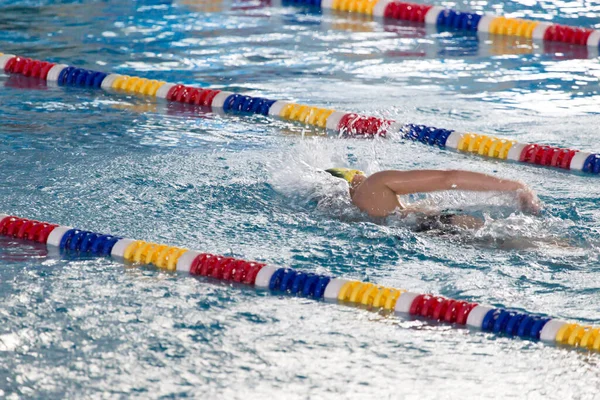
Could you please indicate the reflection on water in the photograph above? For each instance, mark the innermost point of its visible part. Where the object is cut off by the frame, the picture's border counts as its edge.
(20, 251)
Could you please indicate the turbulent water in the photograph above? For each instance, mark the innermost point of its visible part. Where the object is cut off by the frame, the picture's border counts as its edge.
(251, 186)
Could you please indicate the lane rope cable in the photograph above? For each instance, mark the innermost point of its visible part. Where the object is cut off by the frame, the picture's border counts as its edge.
(345, 124)
(458, 313)
(447, 18)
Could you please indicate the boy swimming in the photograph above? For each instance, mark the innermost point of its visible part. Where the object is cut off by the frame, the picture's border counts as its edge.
(377, 195)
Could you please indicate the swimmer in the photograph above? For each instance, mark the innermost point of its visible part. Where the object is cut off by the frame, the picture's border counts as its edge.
(377, 195)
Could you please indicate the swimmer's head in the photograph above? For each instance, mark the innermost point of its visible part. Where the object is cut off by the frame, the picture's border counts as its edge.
(345, 173)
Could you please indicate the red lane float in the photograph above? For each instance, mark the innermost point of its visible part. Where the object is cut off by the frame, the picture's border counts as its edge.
(406, 11)
(547, 156)
(225, 268)
(191, 95)
(22, 228)
(28, 67)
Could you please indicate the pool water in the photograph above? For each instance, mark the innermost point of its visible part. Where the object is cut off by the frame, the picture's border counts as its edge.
(249, 186)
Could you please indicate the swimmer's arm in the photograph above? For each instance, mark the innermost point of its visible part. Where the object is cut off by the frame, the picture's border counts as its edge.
(407, 182)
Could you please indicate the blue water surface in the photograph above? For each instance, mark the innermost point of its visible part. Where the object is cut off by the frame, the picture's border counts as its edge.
(249, 186)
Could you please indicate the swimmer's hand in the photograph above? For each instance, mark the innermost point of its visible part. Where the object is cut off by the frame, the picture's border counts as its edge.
(528, 201)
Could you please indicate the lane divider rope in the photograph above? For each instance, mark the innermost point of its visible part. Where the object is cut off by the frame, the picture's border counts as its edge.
(289, 281)
(469, 21)
(345, 124)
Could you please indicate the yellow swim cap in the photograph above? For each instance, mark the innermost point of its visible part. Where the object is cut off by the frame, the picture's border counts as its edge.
(345, 173)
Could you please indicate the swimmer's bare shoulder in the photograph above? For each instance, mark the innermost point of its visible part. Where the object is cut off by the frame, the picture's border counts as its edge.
(374, 196)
